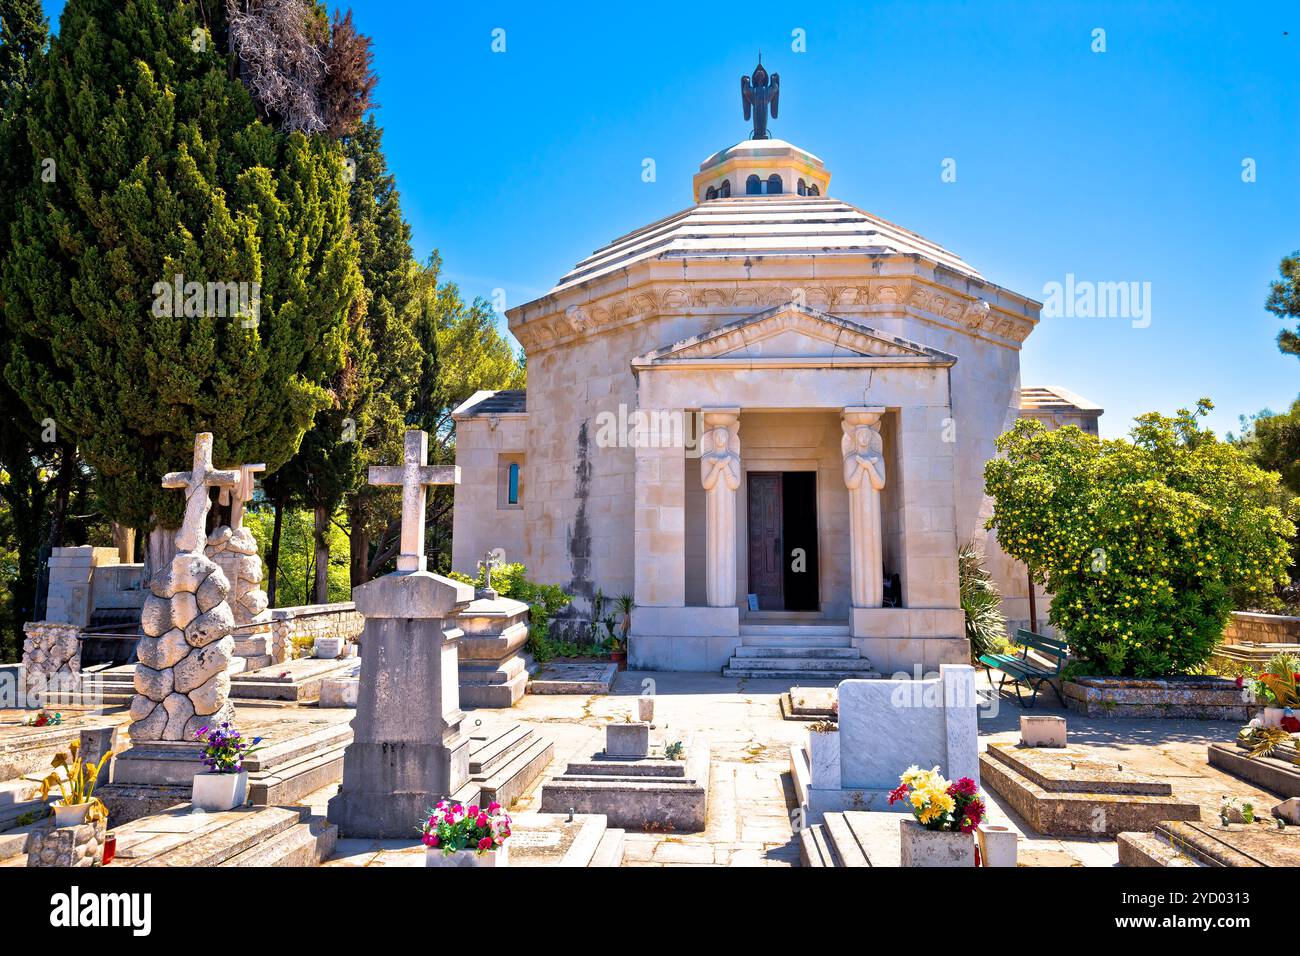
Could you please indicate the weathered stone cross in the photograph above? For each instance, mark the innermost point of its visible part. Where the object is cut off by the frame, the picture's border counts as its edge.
(491, 559)
(413, 475)
(193, 535)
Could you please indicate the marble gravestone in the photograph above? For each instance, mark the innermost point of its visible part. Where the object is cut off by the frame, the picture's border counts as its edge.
(886, 726)
(407, 751)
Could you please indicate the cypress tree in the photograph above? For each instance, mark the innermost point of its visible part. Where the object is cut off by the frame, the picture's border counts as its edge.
(157, 166)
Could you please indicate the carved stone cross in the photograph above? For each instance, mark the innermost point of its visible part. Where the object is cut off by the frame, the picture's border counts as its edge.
(413, 475)
(193, 534)
(491, 559)
(242, 492)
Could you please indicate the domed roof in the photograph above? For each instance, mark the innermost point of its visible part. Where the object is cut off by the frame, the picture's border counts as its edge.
(768, 225)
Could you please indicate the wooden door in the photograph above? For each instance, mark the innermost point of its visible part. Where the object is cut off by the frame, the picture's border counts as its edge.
(766, 572)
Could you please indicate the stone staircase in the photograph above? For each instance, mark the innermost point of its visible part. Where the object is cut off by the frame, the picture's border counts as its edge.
(851, 838)
(503, 763)
(798, 651)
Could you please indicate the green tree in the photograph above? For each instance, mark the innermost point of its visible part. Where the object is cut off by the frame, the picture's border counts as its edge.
(463, 351)
(390, 277)
(161, 168)
(1141, 542)
(1284, 302)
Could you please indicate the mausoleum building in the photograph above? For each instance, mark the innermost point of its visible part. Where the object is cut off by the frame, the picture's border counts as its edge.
(766, 417)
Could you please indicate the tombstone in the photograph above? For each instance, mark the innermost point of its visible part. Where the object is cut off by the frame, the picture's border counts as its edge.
(182, 682)
(886, 726)
(408, 751)
(1042, 730)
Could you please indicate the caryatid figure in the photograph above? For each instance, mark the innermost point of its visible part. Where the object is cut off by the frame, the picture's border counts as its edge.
(864, 475)
(720, 475)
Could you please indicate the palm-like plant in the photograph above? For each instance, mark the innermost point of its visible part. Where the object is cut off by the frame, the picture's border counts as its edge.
(985, 624)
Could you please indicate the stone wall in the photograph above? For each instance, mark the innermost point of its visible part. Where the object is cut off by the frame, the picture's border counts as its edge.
(311, 621)
(71, 594)
(1247, 627)
(51, 657)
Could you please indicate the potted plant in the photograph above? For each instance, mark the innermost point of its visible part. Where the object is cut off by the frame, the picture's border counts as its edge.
(77, 801)
(224, 785)
(944, 817)
(1277, 686)
(459, 835)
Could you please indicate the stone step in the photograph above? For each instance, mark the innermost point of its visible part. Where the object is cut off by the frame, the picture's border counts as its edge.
(280, 753)
(248, 828)
(510, 780)
(1152, 850)
(609, 852)
(848, 653)
(788, 640)
(848, 849)
(743, 670)
(486, 755)
(815, 847)
(307, 844)
(289, 783)
(826, 665)
(793, 629)
(22, 814)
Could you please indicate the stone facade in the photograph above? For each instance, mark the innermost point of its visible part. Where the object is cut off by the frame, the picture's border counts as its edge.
(483, 517)
(305, 623)
(84, 579)
(51, 658)
(728, 309)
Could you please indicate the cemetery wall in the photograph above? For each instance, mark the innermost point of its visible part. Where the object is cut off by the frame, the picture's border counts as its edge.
(305, 623)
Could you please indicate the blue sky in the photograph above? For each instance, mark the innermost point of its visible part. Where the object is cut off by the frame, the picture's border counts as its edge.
(1115, 166)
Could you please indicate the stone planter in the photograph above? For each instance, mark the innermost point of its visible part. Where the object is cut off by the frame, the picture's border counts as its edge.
(998, 845)
(922, 847)
(216, 792)
(75, 846)
(645, 709)
(824, 758)
(69, 815)
(492, 858)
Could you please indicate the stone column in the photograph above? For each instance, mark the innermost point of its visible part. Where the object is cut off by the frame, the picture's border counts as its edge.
(864, 475)
(407, 751)
(720, 475)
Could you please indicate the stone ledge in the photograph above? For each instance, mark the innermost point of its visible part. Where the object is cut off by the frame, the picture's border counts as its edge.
(1186, 698)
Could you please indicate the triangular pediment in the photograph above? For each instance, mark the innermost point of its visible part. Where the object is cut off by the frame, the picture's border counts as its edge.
(794, 334)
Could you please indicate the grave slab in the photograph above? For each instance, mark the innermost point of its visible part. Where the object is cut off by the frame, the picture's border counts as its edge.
(1078, 791)
(1178, 842)
(1277, 773)
(582, 678)
(637, 793)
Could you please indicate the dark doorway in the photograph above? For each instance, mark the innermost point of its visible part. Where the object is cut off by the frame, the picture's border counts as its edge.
(782, 513)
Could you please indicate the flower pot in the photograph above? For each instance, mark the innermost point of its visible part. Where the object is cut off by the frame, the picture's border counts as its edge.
(998, 845)
(215, 792)
(69, 815)
(619, 658)
(645, 709)
(498, 857)
(922, 847)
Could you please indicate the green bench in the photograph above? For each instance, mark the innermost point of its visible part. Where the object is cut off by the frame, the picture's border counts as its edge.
(1025, 672)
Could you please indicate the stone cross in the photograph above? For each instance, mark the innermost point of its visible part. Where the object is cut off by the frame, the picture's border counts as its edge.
(413, 475)
(490, 561)
(192, 534)
(236, 496)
